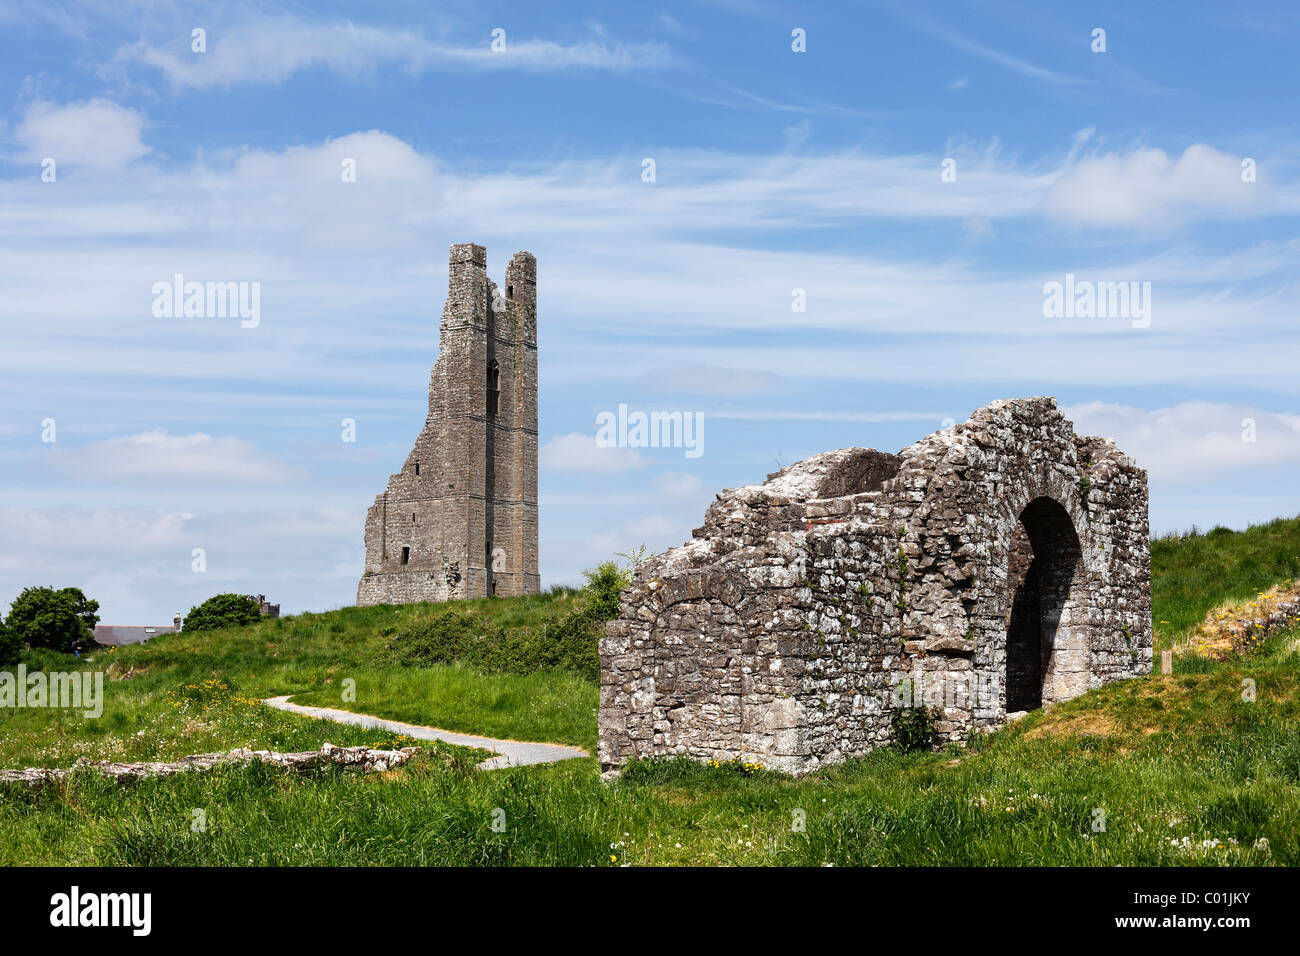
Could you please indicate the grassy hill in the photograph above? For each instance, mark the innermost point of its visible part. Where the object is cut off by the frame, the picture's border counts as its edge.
(196, 692)
(1181, 769)
(1191, 574)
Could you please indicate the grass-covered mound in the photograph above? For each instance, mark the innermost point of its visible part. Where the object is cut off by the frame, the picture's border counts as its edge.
(197, 692)
(1193, 573)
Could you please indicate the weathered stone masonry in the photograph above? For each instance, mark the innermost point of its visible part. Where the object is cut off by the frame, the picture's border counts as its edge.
(989, 568)
(460, 519)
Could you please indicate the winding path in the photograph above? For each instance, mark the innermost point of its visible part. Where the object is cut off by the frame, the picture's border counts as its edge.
(509, 753)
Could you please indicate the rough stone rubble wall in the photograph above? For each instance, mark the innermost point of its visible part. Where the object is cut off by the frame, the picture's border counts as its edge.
(785, 630)
(469, 516)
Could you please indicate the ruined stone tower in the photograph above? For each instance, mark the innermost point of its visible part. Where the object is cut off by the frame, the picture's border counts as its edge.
(460, 519)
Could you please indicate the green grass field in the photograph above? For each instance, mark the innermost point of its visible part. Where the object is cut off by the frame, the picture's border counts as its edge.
(1181, 769)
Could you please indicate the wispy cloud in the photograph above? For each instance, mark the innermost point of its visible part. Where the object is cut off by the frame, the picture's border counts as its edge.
(910, 15)
(325, 250)
(733, 97)
(271, 50)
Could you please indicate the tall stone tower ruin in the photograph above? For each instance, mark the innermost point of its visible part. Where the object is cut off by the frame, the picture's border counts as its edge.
(460, 519)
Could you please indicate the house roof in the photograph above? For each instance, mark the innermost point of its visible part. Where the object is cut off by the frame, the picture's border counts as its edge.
(115, 635)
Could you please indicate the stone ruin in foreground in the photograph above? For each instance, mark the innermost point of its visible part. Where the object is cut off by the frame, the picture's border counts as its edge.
(991, 568)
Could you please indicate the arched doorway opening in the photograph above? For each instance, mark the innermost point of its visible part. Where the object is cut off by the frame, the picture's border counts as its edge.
(1046, 650)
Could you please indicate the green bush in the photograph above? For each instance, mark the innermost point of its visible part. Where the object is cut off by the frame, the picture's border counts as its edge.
(223, 610)
(10, 646)
(570, 643)
(450, 635)
(912, 728)
(60, 620)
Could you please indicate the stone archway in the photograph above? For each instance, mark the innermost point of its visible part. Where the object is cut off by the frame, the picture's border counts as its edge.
(777, 630)
(1047, 655)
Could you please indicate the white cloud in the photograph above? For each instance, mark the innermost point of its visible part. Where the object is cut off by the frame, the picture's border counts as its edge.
(1193, 441)
(271, 50)
(158, 456)
(578, 452)
(380, 158)
(678, 484)
(1147, 188)
(95, 133)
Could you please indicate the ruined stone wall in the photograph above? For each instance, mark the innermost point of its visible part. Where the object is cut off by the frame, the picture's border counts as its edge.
(807, 608)
(460, 519)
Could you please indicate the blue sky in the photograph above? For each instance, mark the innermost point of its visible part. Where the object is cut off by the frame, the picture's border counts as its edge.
(775, 170)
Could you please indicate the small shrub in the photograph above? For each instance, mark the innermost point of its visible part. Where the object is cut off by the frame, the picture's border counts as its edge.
(912, 728)
(223, 610)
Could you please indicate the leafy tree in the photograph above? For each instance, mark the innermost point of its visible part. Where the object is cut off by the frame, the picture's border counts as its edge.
(10, 645)
(223, 610)
(60, 620)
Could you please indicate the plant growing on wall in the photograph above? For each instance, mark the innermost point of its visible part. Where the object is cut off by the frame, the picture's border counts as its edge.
(912, 728)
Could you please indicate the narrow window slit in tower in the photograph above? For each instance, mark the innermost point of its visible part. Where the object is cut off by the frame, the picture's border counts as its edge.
(406, 555)
(494, 387)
